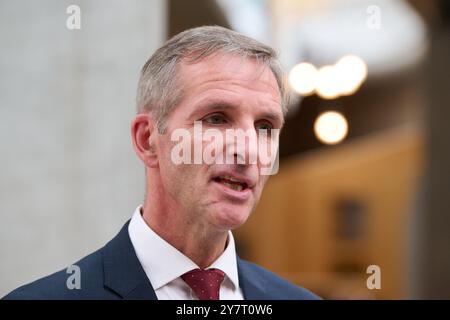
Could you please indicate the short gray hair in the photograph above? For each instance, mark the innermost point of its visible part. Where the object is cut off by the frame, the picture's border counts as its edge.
(158, 91)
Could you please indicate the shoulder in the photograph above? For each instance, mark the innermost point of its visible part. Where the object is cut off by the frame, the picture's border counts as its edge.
(278, 288)
(60, 285)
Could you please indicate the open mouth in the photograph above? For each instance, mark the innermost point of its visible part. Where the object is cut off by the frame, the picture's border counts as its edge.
(231, 183)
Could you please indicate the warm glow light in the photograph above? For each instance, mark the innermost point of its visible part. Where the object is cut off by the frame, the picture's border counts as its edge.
(331, 127)
(331, 81)
(327, 83)
(351, 71)
(302, 78)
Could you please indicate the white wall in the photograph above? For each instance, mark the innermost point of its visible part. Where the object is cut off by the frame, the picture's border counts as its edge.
(69, 177)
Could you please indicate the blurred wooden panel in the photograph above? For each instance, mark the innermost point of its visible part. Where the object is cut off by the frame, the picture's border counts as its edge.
(329, 214)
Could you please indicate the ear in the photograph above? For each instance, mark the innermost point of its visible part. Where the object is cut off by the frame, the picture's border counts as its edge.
(143, 135)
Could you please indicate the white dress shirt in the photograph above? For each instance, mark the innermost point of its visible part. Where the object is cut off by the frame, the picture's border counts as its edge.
(164, 264)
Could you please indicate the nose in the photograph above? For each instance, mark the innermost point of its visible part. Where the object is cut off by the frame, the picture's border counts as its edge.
(242, 145)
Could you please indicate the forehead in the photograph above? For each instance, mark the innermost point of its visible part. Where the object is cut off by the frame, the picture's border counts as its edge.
(231, 74)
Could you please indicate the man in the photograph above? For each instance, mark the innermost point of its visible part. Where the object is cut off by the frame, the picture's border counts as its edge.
(178, 244)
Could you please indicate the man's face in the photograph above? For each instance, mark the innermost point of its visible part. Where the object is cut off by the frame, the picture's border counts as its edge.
(222, 92)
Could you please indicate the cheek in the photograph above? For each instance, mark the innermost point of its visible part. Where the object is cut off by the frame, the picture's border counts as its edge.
(181, 177)
(260, 186)
(171, 174)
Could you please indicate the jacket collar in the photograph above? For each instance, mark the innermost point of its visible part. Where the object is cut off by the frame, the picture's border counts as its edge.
(253, 285)
(124, 274)
(122, 271)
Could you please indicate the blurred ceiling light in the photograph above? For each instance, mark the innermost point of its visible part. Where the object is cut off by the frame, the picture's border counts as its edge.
(327, 83)
(330, 81)
(303, 78)
(390, 35)
(331, 127)
(351, 71)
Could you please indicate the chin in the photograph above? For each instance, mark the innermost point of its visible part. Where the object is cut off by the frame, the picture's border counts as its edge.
(230, 217)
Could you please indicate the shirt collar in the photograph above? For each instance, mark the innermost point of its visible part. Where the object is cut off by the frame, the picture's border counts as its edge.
(163, 263)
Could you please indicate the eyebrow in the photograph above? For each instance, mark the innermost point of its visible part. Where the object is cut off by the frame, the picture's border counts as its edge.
(220, 105)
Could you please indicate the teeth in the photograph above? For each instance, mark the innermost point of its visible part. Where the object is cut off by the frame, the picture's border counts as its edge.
(232, 183)
(233, 186)
(230, 178)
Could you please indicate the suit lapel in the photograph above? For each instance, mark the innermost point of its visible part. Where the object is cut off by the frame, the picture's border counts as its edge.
(253, 286)
(124, 275)
(123, 272)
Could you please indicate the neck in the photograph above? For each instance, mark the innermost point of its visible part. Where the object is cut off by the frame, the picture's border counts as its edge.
(200, 242)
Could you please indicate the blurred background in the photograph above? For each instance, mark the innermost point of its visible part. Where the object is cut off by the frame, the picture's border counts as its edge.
(363, 180)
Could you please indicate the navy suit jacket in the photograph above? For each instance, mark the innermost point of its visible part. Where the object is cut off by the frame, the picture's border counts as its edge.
(114, 272)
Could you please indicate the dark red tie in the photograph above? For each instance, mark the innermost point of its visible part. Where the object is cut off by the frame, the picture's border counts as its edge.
(205, 283)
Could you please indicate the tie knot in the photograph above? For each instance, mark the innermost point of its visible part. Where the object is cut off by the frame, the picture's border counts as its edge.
(205, 283)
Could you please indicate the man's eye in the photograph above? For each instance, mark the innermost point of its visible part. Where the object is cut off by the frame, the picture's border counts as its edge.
(264, 126)
(215, 119)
